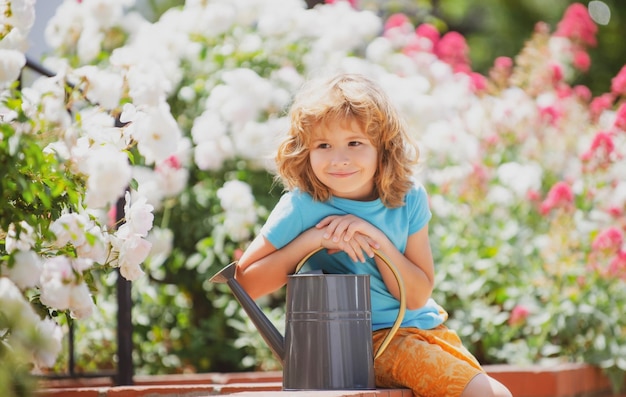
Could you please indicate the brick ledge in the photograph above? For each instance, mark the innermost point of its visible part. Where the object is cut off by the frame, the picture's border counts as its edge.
(563, 380)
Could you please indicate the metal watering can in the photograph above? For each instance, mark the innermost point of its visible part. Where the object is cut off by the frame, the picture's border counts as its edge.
(328, 333)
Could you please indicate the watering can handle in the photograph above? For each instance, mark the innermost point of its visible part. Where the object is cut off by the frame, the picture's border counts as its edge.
(400, 282)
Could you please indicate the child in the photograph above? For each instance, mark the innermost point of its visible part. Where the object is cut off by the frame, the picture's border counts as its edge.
(347, 163)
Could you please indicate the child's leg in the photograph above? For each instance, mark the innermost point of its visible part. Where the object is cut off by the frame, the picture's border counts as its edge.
(483, 385)
(432, 363)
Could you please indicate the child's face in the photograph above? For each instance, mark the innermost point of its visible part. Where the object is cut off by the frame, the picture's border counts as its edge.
(344, 159)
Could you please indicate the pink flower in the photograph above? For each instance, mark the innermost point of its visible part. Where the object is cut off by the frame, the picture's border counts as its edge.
(503, 63)
(557, 72)
(582, 61)
(617, 266)
(610, 239)
(551, 113)
(583, 92)
(171, 162)
(533, 195)
(453, 50)
(112, 216)
(601, 103)
(615, 211)
(602, 147)
(564, 91)
(518, 315)
(397, 21)
(428, 31)
(478, 82)
(501, 70)
(620, 117)
(618, 83)
(353, 3)
(416, 45)
(577, 25)
(560, 195)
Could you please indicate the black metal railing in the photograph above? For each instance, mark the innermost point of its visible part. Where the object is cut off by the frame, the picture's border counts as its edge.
(123, 375)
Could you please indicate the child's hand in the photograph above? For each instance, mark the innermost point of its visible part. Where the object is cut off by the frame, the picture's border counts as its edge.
(350, 234)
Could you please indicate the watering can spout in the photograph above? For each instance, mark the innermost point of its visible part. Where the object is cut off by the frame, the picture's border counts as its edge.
(268, 331)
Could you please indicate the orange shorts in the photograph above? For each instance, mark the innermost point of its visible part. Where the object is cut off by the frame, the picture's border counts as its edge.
(429, 362)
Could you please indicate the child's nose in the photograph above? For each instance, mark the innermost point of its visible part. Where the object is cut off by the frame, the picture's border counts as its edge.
(340, 157)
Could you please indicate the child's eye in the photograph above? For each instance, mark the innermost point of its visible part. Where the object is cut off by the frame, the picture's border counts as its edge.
(354, 143)
(323, 146)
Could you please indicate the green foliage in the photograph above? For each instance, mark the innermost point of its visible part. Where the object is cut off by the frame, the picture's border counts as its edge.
(35, 186)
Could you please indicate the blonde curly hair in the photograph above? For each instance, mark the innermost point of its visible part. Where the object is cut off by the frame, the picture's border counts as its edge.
(347, 97)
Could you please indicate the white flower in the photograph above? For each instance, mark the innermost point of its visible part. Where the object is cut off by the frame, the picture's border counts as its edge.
(99, 127)
(156, 132)
(147, 85)
(210, 20)
(102, 87)
(149, 185)
(108, 176)
(187, 94)
(24, 242)
(107, 13)
(129, 247)
(254, 141)
(132, 251)
(208, 127)
(448, 139)
(22, 15)
(46, 353)
(69, 228)
(237, 224)
(42, 337)
(59, 287)
(80, 304)
(96, 247)
(138, 217)
(211, 155)
(56, 282)
(237, 200)
(235, 195)
(11, 64)
(500, 195)
(65, 26)
(172, 178)
(233, 106)
(26, 270)
(90, 42)
(379, 50)
(13, 304)
(520, 178)
(162, 241)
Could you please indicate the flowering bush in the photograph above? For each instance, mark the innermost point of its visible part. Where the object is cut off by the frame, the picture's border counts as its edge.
(524, 171)
(65, 165)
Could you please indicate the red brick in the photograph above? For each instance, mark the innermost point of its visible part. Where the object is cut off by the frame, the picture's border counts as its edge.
(563, 380)
(72, 392)
(157, 390)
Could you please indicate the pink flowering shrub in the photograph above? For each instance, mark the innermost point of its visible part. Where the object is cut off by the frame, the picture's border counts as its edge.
(530, 232)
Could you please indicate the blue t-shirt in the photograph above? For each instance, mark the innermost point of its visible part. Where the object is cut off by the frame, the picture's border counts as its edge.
(297, 211)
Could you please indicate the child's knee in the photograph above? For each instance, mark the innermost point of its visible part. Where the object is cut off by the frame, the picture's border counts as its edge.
(483, 385)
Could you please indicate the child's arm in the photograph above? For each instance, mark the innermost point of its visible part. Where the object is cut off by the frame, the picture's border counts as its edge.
(415, 265)
(263, 269)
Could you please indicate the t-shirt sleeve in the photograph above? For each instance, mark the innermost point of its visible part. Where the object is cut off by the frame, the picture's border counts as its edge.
(419, 209)
(284, 222)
